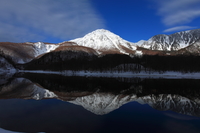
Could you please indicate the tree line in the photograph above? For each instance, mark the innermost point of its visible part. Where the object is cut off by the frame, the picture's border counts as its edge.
(77, 61)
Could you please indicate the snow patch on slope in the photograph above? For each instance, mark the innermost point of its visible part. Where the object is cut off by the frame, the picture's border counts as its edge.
(41, 48)
(40, 93)
(141, 42)
(138, 53)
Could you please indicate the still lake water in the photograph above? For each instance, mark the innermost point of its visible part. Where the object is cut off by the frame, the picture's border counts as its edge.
(33, 103)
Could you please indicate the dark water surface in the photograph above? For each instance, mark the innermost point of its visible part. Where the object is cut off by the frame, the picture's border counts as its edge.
(34, 103)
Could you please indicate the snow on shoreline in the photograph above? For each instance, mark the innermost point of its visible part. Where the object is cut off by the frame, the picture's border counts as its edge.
(168, 74)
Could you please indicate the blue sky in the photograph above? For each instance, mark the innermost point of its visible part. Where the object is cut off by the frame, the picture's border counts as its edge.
(62, 20)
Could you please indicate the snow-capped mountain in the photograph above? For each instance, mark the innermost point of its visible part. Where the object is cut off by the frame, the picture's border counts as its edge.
(21, 53)
(105, 41)
(172, 42)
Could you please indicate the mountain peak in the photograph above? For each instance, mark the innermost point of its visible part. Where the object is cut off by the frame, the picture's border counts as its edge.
(100, 33)
(105, 41)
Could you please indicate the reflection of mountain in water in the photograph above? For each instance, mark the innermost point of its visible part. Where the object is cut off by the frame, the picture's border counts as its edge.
(103, 103)
(103, 95)
(99, 103)
(174, 103)
(24, 88)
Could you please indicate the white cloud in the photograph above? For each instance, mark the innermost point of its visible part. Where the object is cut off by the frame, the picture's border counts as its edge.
(178, 11)
(9, 32)
(178, 28)
(28, 20)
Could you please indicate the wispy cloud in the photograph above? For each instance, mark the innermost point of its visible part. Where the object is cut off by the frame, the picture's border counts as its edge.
(31, 20)
(179, 28)
(178, 12)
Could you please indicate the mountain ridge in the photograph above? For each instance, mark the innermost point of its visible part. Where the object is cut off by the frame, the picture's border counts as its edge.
(172, 42)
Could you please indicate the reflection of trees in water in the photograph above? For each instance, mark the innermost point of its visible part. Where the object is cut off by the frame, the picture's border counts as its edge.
(139, 86)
